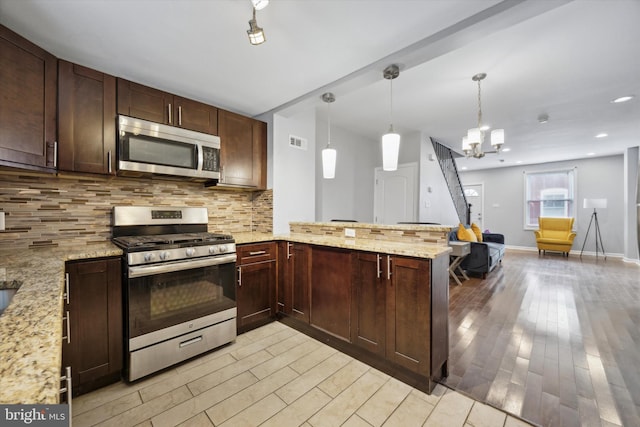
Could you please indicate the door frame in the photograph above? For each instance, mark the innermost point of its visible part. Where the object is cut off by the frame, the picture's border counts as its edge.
(481, 185)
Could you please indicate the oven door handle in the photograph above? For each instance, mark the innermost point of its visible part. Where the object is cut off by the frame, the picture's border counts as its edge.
(169, 267)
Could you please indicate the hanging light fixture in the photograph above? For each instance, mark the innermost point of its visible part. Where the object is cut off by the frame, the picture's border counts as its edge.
(328, 153)
(390, 140)
(260, 4)
(472, 142)
(256, 34)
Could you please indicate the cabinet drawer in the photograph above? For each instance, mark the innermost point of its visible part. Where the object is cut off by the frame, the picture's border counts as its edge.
(256, 252)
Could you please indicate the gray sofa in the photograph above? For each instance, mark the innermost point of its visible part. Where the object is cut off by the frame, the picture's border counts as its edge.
(485, 255)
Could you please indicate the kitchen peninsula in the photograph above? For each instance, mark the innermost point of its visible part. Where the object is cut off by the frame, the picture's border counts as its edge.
(381, 295)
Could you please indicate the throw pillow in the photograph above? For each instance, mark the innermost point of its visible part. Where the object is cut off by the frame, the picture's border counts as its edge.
(466, 234)
(476, 231)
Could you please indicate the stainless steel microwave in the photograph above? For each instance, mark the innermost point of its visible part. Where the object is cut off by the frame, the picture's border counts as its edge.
(153, 148)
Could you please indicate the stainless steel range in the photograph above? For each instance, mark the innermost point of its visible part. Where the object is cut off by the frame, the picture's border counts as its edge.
(179, 286)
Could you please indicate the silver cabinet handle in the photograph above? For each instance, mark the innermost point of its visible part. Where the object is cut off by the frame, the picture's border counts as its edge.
(239, 277)
(169, 111)
(179, 115)
(190, 341)
(109, 168)
(55, 154)
(388, 267)
(289, 254)
(68, 321)
(67, 295)
(68, 388)
(379, 273)
(257, 253)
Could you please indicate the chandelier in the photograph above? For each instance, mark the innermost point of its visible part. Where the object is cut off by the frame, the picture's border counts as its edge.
(472, 143)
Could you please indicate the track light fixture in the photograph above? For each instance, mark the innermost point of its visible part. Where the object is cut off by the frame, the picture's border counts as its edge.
(256, 34)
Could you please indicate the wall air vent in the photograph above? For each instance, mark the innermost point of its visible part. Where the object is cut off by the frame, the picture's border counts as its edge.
(297, 142)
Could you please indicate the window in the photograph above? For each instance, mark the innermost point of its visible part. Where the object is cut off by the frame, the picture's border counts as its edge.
(549, 194)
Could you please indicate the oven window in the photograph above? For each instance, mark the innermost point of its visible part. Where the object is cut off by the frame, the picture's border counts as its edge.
(159, 301)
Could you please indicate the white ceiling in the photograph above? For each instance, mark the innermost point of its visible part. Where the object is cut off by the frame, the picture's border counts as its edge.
(567, 59)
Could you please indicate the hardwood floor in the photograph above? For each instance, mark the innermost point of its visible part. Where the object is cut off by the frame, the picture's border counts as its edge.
(551, 339)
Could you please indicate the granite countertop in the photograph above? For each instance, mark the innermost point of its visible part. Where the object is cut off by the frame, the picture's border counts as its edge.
(31, 326)
(412, 249)
(411, 226)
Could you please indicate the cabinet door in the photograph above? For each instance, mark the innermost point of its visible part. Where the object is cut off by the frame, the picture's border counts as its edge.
(368, 302)
(253, 293)
(242, 150)
(143, 102)
(195, 115)
(331, 290)
(95, 322)
(86, 119)
(283, 288)
(28, 80)
(299, 281)
(408, 314)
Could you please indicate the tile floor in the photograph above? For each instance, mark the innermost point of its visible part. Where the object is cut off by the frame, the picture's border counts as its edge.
(276, 376)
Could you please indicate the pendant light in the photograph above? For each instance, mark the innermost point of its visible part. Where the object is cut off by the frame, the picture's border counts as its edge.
(328, 153)
(390, 140)
(472, 142)
(255, 33)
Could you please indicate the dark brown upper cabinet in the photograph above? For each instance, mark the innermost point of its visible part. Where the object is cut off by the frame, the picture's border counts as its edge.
(143, 102)
(86, 120)
(243, 151)
(28, 79)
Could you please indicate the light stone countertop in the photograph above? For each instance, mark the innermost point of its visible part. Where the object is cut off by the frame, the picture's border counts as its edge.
(411, 249)
(31, 326)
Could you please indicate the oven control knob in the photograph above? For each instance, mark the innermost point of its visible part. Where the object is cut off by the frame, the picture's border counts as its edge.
(191, 252)
(164, 255)
(149, 257)
(222, 248)
(213, 250)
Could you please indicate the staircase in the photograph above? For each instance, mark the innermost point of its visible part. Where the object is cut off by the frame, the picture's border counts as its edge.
(450, 172)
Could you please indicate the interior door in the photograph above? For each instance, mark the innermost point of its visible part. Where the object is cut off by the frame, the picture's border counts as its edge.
(475, 197)
(396, 195)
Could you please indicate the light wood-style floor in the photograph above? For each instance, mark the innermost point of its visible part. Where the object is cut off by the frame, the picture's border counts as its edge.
(551, 339)
(276, 376)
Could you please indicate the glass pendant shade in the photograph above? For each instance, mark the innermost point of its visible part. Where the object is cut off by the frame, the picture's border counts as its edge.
(390, 150)
(465, 144)
(474, 136)
(497, 137)
(329, 163)
(256, 36)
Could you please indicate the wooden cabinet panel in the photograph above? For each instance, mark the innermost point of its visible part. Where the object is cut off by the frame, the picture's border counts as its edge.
(143, 102)
(255, 290)
(368, 302)
(331, 290)
(243, 143)
(151, 104)
(86, 120)
(408, 314)
(283, 288)
(94, 351)
(195, 115)
(28, 80)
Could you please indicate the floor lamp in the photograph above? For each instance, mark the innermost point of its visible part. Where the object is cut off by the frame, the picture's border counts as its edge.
(595, 204)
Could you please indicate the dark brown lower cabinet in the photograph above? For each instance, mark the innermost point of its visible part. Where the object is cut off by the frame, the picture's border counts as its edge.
(294, 280)
(255, 286)
(93, 323)
(331, 290)
(368, 302)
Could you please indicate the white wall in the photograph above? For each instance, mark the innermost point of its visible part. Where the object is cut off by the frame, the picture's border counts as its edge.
(596, 178)
(350, 194)
(293, 171)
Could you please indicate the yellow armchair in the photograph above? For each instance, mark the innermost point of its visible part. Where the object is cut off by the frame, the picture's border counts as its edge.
(555, 234)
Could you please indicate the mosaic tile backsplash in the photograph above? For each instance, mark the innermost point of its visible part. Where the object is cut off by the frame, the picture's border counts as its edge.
(48, 210)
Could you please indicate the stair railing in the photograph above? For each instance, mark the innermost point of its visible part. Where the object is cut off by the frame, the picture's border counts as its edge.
(450, 171)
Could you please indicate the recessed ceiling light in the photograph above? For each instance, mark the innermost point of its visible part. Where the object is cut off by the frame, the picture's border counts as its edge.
(591, 154)
(622, 99)
(518, 162)
(504, 150)
(602, 135)
(464, 168)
